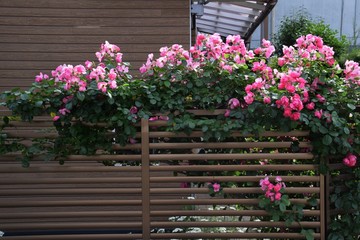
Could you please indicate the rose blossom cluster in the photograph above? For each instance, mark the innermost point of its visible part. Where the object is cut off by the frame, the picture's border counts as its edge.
(294, 92)
(226, 55)
(272, 191)
(352, 72)
(107, 74)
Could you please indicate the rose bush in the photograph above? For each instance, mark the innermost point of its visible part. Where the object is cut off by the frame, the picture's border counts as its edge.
(304, 88)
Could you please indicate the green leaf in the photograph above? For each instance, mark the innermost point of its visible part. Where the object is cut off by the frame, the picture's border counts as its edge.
(138, 104)
(192, 125)
(330, 107)
(167, 83)
(198, 83)
(313, 202)
(80, 96)
(204, 128)
(282, 207)
(327, 140)
(323, 130)
(38, 103)
(152, 101)
(207, 73)
(346, 130)
(24, 96)
(309, 234)
(351, 106)
(111, 100)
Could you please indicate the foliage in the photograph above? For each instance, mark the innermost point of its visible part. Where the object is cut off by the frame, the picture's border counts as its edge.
(345, 198)
(299, 24)
(353, 54)
(303, 88)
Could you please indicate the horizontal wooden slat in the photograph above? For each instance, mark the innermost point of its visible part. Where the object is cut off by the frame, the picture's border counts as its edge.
(93, 30)
(134, 225)
(250, 224)
(119, 39)
(94, 13)
(10, 202)
(98, 22)
(71, 225)
(107, 191)
(63, 57)
(35, 168)
(222, 213)
(56, 203)
(74, 214)
(73, 180)
(81, 48)
(246, 235)
(70, 4)
(232, 179)
(234, 156)
(92, 236)
(83, 214)
(179, 157)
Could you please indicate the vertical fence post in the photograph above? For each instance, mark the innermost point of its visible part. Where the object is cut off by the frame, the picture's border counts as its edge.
(145, 178)
(323, 207)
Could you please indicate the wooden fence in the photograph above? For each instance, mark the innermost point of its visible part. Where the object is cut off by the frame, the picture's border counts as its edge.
(157, 188)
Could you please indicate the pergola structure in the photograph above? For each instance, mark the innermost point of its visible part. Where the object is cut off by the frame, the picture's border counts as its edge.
(230, 17)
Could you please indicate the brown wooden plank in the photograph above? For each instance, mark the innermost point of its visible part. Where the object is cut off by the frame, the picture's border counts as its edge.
(81, 48)
(94, 22)
(95, 13)
(63, 57)
(68, 4)
(30, 69)
(83, 30)
(119, 39)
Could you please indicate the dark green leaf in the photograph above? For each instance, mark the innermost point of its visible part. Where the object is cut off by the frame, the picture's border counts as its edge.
(309, 234)
(24, 96)
(282, 207)
(167, 83)
(80, 96)
(38, 103)
(323, 129)
(327, 140)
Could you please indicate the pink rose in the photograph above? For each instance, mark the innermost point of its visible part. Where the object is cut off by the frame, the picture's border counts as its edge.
(267, 100)
(350, 160)
(133, 110)
(318, 113)
(227, 113)
(310, 106)
(216, 187)
(234, 103)
(277, 196)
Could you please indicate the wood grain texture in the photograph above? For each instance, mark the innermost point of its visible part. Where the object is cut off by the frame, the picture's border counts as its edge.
(38, 35)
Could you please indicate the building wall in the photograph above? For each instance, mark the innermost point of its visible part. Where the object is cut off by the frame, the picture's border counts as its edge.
(341, 15)
(39, 35)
